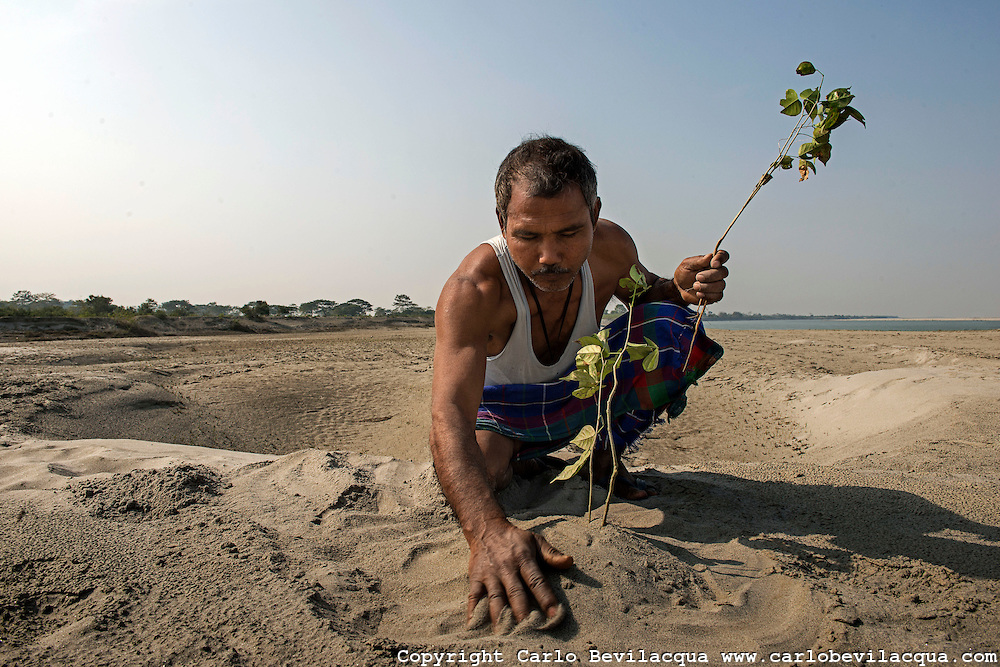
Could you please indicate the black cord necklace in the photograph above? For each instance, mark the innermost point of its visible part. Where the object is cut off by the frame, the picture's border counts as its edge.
(541, 317)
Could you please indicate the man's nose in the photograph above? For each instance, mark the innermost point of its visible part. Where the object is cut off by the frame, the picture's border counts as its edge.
(549, 253)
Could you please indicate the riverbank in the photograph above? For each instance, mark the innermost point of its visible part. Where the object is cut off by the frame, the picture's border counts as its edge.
(269, 499)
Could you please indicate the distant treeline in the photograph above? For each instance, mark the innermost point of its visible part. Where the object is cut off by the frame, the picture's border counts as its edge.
(45, 304)
(737, 315)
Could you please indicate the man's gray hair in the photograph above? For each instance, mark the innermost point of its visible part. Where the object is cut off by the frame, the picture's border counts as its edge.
(546, 165)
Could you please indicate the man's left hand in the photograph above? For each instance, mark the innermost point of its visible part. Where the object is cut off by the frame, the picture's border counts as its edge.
(702, 278)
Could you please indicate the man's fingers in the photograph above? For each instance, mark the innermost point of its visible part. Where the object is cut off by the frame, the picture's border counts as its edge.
(719, 259)
(517, 596)
(477, 591)
(551, 555)
(711, 275)
(497, 600)
(539, 586)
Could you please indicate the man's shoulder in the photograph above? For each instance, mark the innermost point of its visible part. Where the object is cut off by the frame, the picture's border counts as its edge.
(480, 269)
(611, 237)
(477, 284)
(613, 247)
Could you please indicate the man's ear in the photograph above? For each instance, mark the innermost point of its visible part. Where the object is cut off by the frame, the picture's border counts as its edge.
(503, 227)
(596, 213)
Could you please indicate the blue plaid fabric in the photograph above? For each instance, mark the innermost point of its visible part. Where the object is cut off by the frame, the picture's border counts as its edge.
(546, 416)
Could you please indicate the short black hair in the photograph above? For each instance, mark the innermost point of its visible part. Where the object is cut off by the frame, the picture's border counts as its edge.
(546, 165)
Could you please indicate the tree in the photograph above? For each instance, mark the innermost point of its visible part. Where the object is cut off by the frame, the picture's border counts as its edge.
(366, 308)
(148, 307)
(25, 299)
(348, 309)
(255, 310)
(317, 307)
(352, 308)
(99, 305)
(283, 311)
(403, 304)
(213, 310)
(178, 307)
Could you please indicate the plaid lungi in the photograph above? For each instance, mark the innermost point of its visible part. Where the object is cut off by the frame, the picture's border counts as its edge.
(546, 416)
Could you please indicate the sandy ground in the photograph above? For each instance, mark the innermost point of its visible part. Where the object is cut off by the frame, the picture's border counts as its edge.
(824, 491)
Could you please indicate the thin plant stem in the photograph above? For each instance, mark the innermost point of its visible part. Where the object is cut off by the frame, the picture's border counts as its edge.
(607, 419)
(590, 460)
(804, 118)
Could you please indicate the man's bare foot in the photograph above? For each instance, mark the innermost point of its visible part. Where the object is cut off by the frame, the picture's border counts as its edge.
(529, 468)
(627, 486)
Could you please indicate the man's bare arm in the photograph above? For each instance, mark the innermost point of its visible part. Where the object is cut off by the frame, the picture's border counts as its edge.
(504, 560)
(459, 369)
(695, 279)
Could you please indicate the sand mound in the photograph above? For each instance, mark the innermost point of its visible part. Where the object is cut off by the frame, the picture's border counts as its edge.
(145, 493)
(881, 411)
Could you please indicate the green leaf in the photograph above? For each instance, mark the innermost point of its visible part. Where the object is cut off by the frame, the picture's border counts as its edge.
(628, 283)
(790, 105)
(597, 373)
(810, 100)
(855, 114)
(639, 279)
(805, 68)
(636, 350)
(821, 136)
(839, 98)
(585, 392)
(652, 360)
(822, 152)
(586, 438)
(832, 115)
(786, 162)
(589, 355)
(793, 109)
(806, 148)
(603, 335)
(589, 340)
(811, 94)
(808, 165)
(572, 469)
(842, 117)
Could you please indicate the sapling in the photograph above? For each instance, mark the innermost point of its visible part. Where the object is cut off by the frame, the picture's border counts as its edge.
(594, 362)
(822, 116)
(596, 359)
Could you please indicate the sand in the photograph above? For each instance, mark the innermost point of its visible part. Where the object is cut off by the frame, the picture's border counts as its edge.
(824, 491)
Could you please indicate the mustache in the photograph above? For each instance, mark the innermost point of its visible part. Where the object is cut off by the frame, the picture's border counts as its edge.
(550, 271)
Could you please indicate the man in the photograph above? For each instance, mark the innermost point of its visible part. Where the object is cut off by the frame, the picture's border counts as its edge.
(510, 315)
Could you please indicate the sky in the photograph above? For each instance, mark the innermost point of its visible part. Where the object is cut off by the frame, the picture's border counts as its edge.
(230, 151)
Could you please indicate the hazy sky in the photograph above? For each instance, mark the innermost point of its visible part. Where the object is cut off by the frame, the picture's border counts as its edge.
(288, 151)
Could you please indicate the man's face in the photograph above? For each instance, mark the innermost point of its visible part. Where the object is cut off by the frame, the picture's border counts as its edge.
(550, 237)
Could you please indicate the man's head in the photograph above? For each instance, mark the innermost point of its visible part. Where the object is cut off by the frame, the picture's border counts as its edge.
(547, 206)
(545, 166)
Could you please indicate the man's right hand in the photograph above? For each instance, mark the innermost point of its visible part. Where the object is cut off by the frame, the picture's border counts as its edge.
(504, 566)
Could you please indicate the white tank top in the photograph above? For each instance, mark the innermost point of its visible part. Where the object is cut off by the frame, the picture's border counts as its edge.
(517, 363)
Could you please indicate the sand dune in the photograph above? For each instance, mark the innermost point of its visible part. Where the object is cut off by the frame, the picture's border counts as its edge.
(824, 491)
